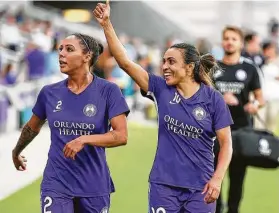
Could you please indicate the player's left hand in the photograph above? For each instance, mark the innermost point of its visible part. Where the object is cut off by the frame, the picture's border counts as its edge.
(212, 190)
(251, 108)
(72, 148)
(102, 13)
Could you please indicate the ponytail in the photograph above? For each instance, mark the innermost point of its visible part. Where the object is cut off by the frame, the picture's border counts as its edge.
(206, 69)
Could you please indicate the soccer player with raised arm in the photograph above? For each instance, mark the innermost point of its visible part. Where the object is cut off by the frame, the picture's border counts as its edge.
(81, 110)
(191, 114)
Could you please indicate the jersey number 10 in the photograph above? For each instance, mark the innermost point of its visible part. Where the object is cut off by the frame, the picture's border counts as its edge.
(159, 210)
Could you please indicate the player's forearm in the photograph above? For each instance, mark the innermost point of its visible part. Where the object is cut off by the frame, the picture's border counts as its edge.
(224, 159)
(135, 71)
(259, 103)
(27, 135)
(110, 139)
(259, 99)
(116, 48)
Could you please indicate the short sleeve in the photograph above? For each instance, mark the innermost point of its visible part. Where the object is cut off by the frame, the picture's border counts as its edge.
(40, 108)
(221, 116)
(117, 104)
(156, 84)
(144, 94)
(255, 80)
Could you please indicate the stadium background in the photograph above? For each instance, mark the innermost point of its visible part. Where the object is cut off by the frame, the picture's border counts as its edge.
(28, 27)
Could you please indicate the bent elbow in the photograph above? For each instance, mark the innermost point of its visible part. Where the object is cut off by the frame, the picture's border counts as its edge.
(124, 140)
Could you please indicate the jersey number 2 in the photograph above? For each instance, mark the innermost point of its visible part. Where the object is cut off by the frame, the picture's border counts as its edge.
(58, 106)
(48, 202)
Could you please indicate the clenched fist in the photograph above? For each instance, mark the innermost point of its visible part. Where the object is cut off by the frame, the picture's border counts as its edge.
(102, 13)
(19, 162)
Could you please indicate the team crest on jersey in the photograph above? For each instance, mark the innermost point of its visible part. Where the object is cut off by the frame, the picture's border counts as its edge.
(199, 113)
(217, 74)
(105, 210)
(90, 110)
(241, 75)
(258, 60)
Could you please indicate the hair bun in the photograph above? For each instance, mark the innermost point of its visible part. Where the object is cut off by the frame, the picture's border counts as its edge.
(101, 48)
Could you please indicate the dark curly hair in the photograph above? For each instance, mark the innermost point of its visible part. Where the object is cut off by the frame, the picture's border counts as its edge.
(90, 44)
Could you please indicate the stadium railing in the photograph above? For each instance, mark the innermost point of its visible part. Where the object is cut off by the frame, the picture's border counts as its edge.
(18, 98)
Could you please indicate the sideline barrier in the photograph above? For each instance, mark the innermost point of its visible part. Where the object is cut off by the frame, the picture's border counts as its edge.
(19, 97)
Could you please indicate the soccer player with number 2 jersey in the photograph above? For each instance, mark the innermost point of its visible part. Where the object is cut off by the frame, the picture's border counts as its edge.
(80, 111)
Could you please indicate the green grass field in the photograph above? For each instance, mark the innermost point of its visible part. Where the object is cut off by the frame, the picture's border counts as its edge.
(130, 168)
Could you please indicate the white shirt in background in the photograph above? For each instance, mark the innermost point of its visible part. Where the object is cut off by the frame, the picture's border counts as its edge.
(10, 34)
(271, 85)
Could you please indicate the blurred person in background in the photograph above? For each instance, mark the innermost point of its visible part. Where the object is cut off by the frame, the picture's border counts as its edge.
(109, 64)
(273, 32)
(196, 188)
(1, 64)
(19, 16)
(3, 11)
(11, 37)
(51, 60)
(238, 77)
(102, 67)
(203, 46)
(8, 76)
(139, 102)
(252, 49)
(48, 29)
(217, 51)
(130, 89)
(117, 75)
(172, 39)
(155, 54)
(4, 104)
(86, 114)
(41, 31)
(139, 47)
(270, 70)
(168, 43)
(35, 59)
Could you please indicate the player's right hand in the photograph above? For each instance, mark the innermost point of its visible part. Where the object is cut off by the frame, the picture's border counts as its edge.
(19, 162)
(102, 13)
(230, 99)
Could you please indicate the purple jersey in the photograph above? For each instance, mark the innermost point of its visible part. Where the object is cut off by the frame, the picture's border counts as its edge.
(70, 116)
(184, 156)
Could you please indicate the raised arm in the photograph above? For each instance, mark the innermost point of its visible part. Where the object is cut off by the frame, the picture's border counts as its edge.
(135, 71)
(28, 133)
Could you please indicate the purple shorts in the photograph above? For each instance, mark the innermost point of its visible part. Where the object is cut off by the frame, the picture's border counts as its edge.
(168, 199)
(52, 202)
